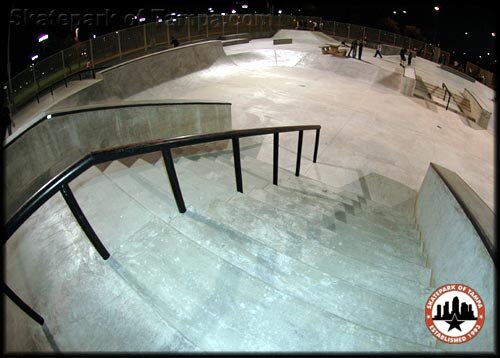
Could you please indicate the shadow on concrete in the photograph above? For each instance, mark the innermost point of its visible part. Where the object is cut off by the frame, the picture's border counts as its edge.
(50, 339)
(392, 81)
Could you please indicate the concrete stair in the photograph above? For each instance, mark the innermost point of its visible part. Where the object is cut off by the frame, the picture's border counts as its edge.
(302, 266)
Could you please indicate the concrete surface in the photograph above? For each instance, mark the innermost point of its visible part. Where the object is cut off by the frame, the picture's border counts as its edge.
(55, 143)
(478, 110)
(456, 252)
(261, 270)
(197, 283)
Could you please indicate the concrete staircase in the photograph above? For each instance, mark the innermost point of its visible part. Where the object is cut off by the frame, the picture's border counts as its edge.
(297, 267)
(458, 104)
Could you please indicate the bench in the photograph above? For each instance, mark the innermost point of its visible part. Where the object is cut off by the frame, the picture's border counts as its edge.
(334, 50)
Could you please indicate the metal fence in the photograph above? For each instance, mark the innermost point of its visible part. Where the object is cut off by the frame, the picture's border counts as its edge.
(134, 41)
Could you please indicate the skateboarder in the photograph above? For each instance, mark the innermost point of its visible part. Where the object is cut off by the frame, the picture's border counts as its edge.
(354, 45)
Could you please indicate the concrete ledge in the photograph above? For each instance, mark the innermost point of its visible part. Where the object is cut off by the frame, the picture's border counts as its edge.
(477, 110)
(408, 82)
(237, 41)
(458, 73)
(142, 73)
(282, 41)
(449, 213)
(53, 144)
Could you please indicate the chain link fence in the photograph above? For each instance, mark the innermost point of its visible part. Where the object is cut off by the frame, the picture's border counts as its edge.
(114, 47)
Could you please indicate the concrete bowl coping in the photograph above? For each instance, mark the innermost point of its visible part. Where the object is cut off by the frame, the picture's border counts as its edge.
(53, 144)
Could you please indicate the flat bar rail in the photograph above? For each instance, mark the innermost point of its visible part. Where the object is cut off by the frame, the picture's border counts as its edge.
(60, 182)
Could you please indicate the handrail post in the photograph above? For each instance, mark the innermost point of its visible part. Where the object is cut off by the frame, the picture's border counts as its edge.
(299, 153)
(237, 164)
(82, 220)
(174, 182)
(316, 145)
(449, 98)
(22, 305)
(276, 157)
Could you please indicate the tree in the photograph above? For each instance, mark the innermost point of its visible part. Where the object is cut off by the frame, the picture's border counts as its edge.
(415, 33)
(389, 24)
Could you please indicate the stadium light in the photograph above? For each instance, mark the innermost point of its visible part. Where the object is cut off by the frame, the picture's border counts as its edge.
(43, 37)
(33, 58)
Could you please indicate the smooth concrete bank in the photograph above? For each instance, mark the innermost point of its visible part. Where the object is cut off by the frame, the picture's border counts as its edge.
(139, 74)
(456, 252)
(54, 144)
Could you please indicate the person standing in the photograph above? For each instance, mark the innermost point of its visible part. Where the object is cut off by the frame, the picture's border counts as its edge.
(402, 56)
(360, 48)
(410, 55)
(352, 50)
(378, 50)
(7, 122)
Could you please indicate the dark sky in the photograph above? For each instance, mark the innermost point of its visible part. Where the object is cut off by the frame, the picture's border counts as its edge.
(454, 19)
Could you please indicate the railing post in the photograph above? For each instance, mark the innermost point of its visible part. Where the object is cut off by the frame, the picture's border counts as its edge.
(316, 145)
(119, 44)
(222, 18)
(334, 28)
(22, 305)
(379, 35)
(82, 220)
(276, 157)
(207, 25)
(35, 82)
(189, 28)
(348, 31)
(449, 98)
(299, 153)
(91, 52)
(145, 38)
(237, 164)
(174, 182)
(167, 22)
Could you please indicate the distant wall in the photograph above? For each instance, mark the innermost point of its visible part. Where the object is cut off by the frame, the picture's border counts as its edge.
(53, 144)
(478, 112)
(455, 251)
(134, 76)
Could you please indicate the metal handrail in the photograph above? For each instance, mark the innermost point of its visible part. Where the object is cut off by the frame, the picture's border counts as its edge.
(60, 182)
(446, 90)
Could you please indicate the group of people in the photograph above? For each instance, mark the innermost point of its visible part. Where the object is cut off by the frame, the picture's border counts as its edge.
(356, 48)
(402, 55)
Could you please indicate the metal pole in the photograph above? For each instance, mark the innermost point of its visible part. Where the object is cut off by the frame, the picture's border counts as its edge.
(276, 157)
(189, 28)
(174, 182)
(207, 25)
(145, 38)
(82, 220)
(168, 32)
(222, 17)
(36, 84)
(299, 153)
(91, 53)
(334, 27)
(119, 44)
(237, 164)
(63, 64)
(348, 31)
(379, 35)
(316, 145)
(22, 305)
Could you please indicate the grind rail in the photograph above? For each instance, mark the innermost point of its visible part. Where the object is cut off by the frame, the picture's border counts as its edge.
(60, 182)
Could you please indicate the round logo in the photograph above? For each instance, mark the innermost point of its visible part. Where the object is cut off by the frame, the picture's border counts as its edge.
(454, 313)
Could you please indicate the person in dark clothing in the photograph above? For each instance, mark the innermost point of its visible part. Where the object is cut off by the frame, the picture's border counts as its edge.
(174, 42)
(360, 48)
(378, 51)
(402, 56)
(6, 119)
(410, 55)
(354, 45)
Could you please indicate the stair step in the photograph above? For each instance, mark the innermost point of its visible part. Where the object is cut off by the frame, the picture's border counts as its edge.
(331, 207)
(350, 302)
(325, 218)
(387, 255)
(217, 306)
(318, 256)
(312, 186)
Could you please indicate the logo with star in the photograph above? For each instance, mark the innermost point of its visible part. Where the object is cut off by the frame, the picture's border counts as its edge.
(454, 313)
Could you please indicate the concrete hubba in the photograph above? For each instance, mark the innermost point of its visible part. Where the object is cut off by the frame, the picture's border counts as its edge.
(477, 110)
(55, 143)
(455, 251)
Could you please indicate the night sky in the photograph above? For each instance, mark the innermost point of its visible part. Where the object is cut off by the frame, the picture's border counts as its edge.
(454, 19)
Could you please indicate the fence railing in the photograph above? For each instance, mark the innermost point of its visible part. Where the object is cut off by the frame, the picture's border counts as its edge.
(134, 41)
(446, 92)
(60, 182)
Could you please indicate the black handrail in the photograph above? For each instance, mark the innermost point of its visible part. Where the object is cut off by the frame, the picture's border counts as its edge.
(60, 183)
(446, 90)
